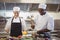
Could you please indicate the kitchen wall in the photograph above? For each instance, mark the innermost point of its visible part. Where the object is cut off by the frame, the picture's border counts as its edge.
(56, 15)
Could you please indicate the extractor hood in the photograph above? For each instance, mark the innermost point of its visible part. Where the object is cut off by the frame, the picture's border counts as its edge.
(23, 1)
(32, 1)
(10, 1)
(53, 1)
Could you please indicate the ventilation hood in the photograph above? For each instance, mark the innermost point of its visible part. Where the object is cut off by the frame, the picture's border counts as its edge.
(32, 1)
(53, 1)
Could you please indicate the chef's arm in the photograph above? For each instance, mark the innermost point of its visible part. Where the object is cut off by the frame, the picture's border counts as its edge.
(50, 26)
(24, 25)
(7, 26)
(44, 30)
(32, 24)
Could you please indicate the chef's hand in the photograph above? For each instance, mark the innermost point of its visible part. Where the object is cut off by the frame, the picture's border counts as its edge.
(32, 26)
(7, 30)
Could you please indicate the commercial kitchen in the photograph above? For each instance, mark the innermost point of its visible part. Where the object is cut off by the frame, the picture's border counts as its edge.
(28, 11)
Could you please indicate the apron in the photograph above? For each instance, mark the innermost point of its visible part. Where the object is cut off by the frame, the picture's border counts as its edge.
(16, 29)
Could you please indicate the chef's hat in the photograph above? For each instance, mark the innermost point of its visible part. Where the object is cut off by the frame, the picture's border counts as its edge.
(43, 6)
(16, 8)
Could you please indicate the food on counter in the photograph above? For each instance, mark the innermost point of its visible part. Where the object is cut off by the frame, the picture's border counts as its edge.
(24, 32)
(3, 38)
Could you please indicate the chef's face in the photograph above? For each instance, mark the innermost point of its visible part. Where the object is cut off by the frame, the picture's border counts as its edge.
(16, 13)
(41, 11)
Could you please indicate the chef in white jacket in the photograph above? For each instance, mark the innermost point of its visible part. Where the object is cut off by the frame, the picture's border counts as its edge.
(44, 23)
(16, 24)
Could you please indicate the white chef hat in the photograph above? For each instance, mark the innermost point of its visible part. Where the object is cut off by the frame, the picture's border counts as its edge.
(43, 6)
(16, 8)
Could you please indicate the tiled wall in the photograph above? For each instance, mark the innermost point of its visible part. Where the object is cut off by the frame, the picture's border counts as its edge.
(56, 16)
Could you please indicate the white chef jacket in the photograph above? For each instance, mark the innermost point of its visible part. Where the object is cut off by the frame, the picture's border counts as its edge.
(44, 22)
(17, 20)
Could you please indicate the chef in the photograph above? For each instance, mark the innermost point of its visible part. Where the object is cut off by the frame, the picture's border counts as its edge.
(44, 23)
(16, 24)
